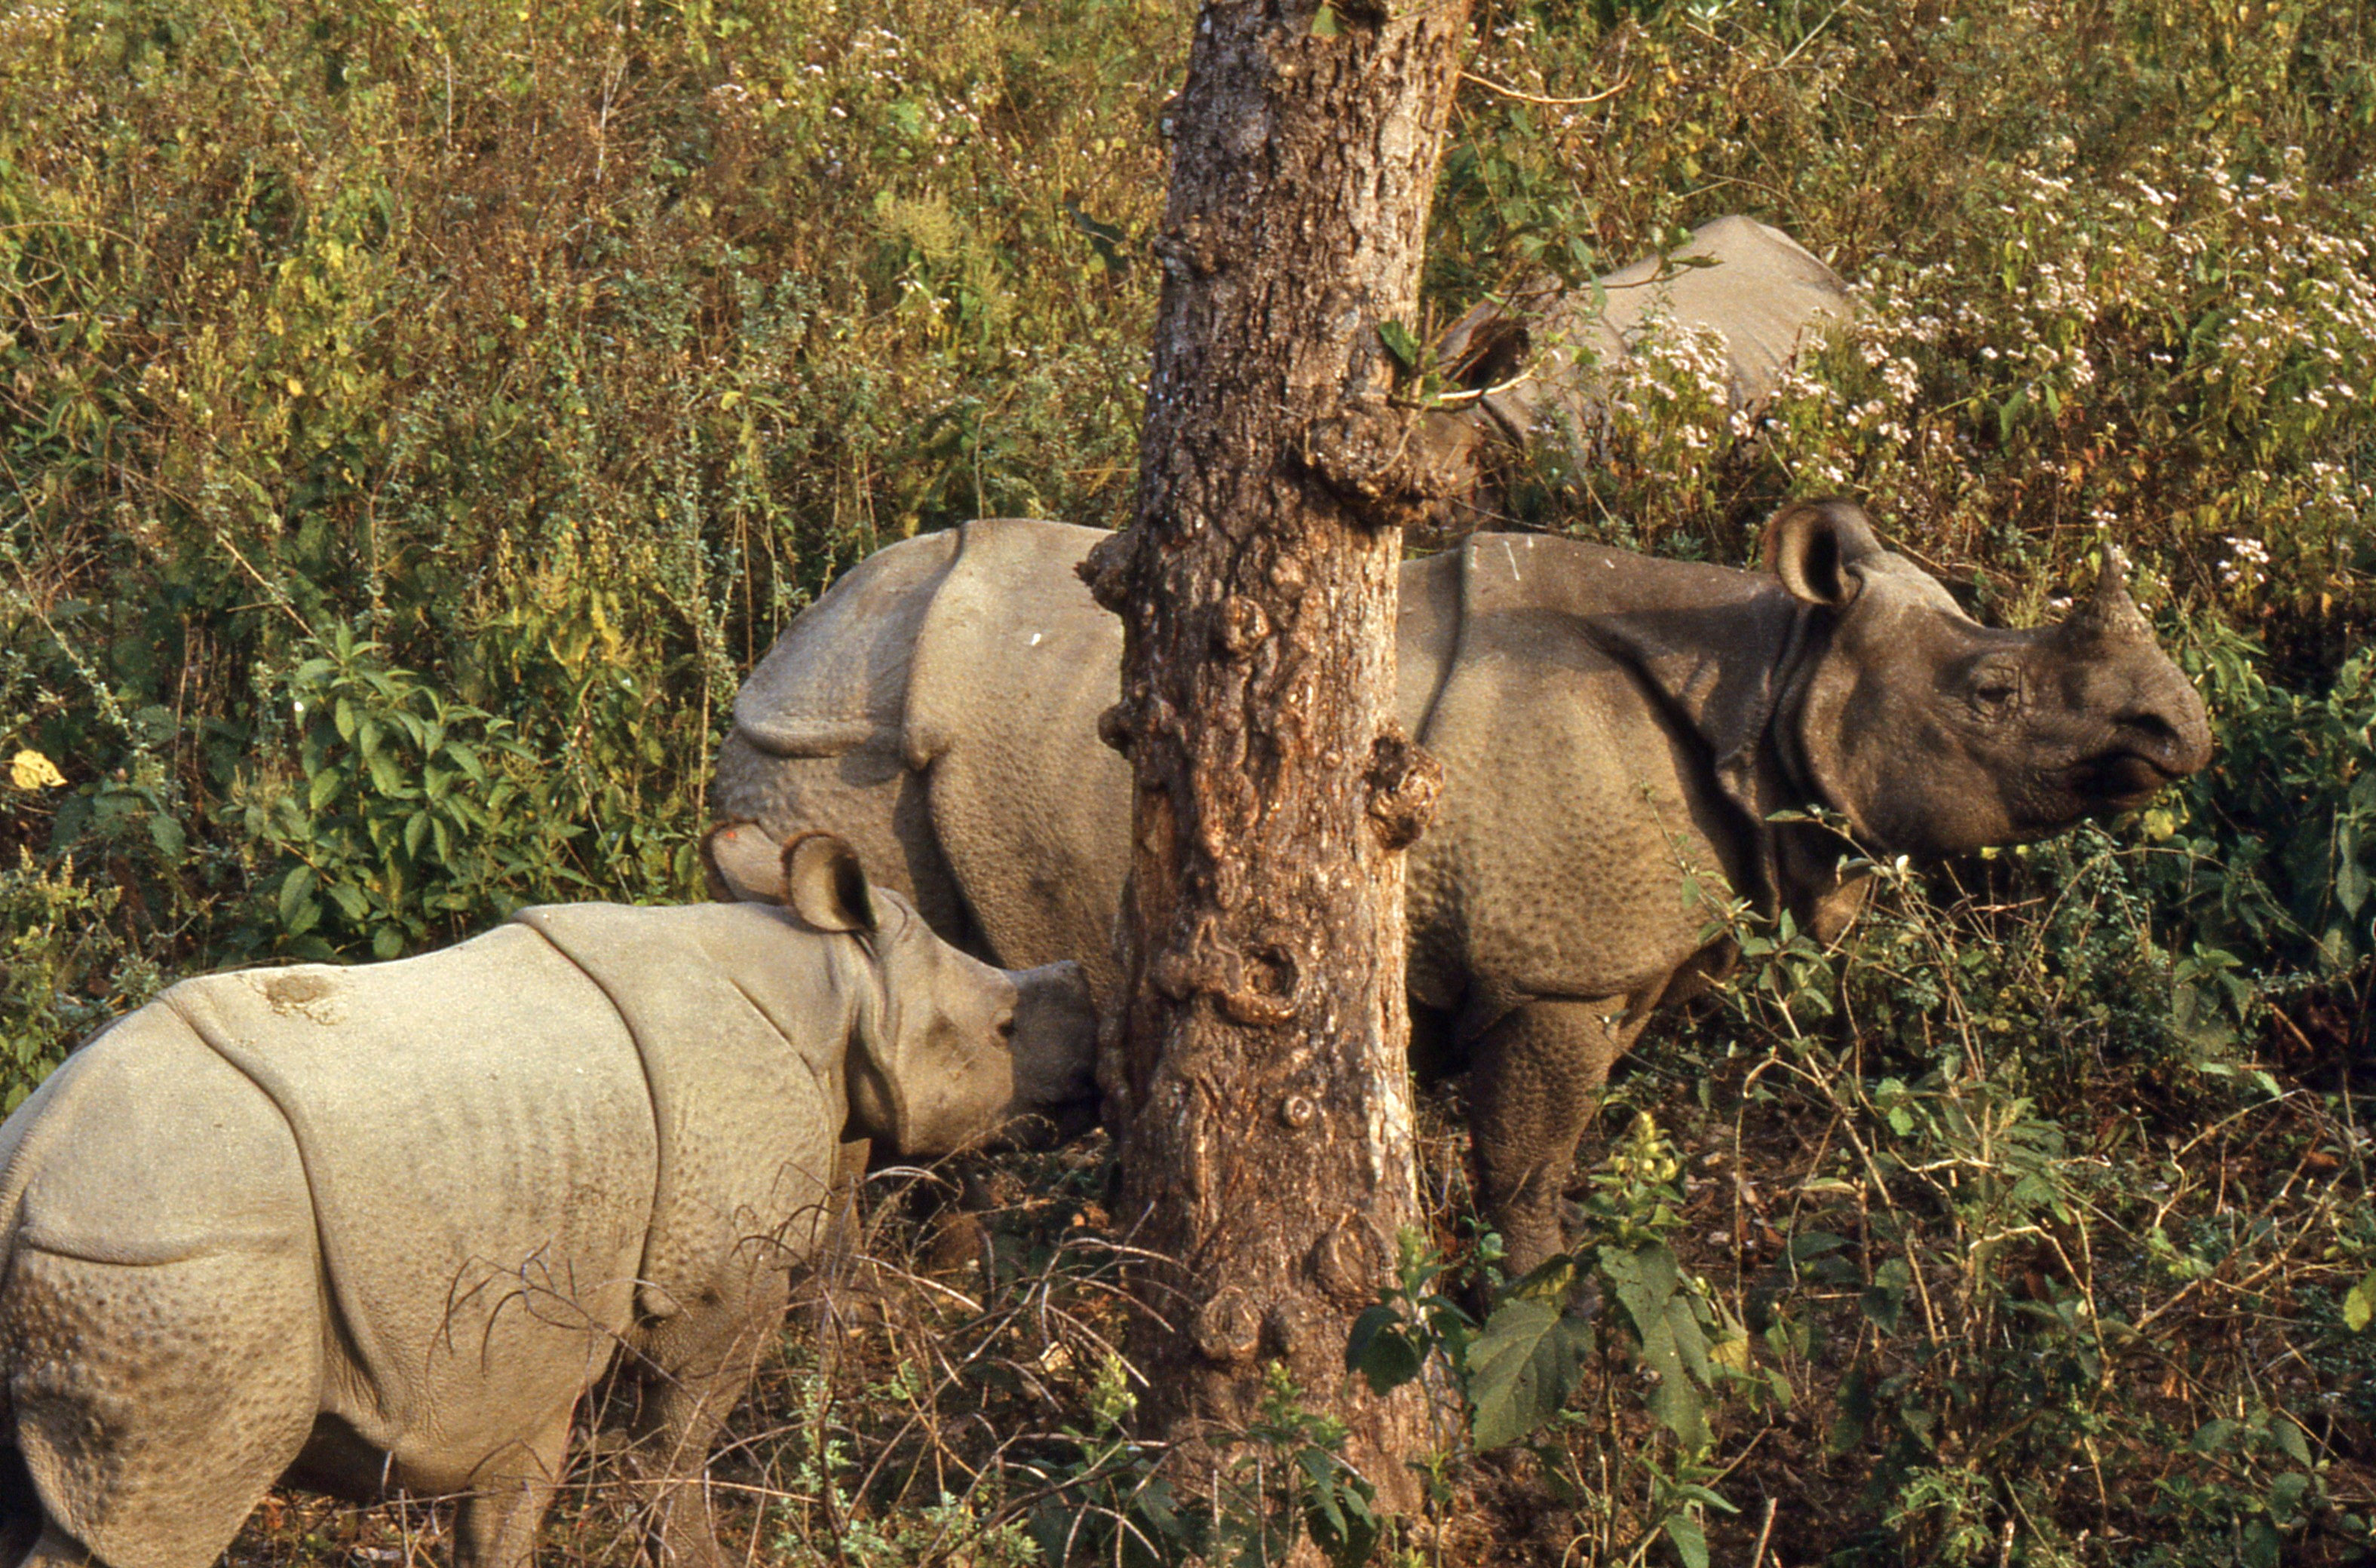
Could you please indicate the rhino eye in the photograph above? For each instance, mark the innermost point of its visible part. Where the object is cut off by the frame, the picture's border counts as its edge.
(1006, 1028)
(1995, 689)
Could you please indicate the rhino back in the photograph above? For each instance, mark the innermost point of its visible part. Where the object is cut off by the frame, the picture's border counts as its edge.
(1763, 292)
(146, 1147)
(478, 1144)
(1766, 295)
(1014, 665)
(837, 676)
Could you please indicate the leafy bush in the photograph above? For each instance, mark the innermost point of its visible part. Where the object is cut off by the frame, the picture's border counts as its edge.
(415, 416)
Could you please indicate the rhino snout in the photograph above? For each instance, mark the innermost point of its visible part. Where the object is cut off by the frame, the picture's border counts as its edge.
(1055, 1041)
(2154, 745)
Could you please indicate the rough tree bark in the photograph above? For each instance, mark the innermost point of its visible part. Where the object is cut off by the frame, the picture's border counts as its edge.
(1257, 1084)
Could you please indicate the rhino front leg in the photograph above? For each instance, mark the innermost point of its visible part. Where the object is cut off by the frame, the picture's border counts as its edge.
(703, 1360)
(1535, 1081)
(497, 1524)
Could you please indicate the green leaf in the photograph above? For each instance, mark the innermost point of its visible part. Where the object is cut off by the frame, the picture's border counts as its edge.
(323, 789)
(2289, 1434)
(1885, 1301)
(1854, 1413)
(293, 890)
(1690, 1541)
(1324, 22)
(2359, 1303)
(1382, 1350)
(166, 833)
(1400, 344)
(1337, 1508)
(387, 774)
(2351, 884)
(1522, 1366)
(1676, 1399)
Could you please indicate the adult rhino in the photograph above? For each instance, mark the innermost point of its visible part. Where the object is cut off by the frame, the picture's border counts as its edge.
(1541, 359)
(1616, 732)
(384, 1226)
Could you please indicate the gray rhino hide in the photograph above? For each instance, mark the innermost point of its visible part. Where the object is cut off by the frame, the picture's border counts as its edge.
(964, 765)
(650, 1089)
(1765, 296)
(1609, 727)
(1026, 816)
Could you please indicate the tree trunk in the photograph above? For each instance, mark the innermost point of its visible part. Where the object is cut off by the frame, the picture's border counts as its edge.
(1258, 1086)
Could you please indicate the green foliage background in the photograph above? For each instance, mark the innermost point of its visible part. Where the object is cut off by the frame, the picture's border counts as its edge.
(415, 416)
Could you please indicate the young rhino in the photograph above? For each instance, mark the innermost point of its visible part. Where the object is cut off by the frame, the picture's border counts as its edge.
(384, 1226)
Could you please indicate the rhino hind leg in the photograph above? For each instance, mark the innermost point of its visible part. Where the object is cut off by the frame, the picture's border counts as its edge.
(156, 1402)
(1533, 1089)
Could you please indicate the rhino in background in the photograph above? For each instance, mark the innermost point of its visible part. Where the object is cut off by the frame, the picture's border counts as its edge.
(1541, 359)
(1617, 734)
(384, 1226)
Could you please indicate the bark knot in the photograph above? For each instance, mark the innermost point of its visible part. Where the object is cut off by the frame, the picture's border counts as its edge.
(1239, 626)
(1260, 988)
(1405, 783)
(1188, 251)
(1351, 1260)
(1116, 726)
(1379, 460)
(1106, 569)
(1227, 1328)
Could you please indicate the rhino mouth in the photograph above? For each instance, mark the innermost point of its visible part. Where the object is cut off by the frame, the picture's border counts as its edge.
(1043, 1126)
(2120, 780)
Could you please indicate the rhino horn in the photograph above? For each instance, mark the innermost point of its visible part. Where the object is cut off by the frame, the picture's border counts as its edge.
(2110, 615)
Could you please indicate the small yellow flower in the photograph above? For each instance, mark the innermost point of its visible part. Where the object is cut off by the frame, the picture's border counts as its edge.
(31, 770)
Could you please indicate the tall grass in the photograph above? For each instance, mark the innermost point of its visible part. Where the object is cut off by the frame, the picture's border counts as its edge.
(415, 416)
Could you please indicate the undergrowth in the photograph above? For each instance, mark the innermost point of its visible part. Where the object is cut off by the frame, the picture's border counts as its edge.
(416, 417)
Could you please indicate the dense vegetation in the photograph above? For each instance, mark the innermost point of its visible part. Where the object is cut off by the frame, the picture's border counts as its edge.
(414, 417)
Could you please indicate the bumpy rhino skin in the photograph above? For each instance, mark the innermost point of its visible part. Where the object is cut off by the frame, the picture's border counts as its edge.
(384, 1226)
(1616, 732)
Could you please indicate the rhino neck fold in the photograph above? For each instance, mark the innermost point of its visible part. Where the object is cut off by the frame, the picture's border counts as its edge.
(874, 1015)
(1797, 775)
(737, 1015)
(1723, 666)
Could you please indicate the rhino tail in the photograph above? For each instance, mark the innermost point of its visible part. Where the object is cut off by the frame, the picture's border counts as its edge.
(23, 1142)
(135, 1310)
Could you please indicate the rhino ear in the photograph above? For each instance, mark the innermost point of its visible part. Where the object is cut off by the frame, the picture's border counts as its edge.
(826, 885)
(743, 864)
(1811, 544)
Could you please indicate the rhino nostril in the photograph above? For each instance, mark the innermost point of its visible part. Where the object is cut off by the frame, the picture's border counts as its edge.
(2158, 733)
